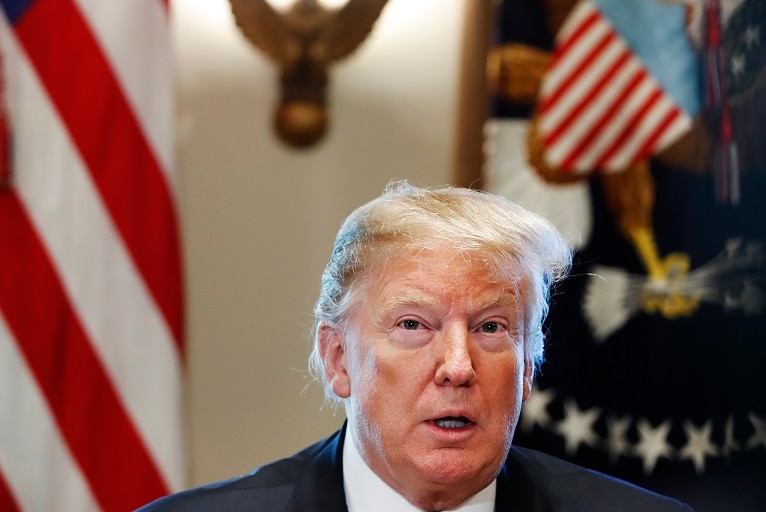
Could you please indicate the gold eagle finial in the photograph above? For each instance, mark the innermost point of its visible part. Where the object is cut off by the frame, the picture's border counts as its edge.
(303, 41)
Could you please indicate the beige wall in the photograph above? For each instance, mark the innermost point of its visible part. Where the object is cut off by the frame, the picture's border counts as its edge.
(259, 219)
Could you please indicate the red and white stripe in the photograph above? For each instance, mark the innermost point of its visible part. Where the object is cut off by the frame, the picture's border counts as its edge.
(600, 108)
(91, 327)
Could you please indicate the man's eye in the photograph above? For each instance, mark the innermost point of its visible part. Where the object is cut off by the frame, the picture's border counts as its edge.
(410, 325)
(490, 327)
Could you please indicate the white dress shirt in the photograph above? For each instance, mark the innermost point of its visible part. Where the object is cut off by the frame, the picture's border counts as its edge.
(366, 492)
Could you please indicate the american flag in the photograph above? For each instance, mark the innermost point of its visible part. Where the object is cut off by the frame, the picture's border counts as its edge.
(91, 327)
(610, 98)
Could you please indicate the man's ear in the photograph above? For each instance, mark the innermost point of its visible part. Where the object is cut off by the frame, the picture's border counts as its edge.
(332, 348)
(528, 379)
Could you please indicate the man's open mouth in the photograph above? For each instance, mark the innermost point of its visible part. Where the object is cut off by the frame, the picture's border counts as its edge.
(452, 422)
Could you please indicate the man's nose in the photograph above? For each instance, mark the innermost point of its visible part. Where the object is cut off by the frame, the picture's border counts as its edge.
(455, 365)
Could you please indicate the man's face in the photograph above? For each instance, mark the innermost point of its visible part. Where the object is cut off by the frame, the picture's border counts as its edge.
(434, 374)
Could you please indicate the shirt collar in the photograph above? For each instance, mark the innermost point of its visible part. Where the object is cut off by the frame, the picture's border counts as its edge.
(366, 492)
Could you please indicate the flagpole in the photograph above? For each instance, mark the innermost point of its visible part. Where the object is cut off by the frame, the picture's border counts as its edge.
(725, 157)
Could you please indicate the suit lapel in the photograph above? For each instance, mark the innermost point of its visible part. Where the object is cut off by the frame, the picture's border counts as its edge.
(320, 486)
(516, 490)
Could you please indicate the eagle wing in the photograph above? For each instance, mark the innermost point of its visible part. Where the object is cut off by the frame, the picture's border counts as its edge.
(353, 23)
(265, 29)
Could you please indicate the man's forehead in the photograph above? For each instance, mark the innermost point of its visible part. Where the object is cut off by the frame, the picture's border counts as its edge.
(429, 276)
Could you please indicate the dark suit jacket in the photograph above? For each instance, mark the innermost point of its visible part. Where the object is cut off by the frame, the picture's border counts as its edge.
(312, 481)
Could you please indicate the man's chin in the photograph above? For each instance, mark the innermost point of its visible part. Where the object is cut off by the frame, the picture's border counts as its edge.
(452, 467)
(446, 484)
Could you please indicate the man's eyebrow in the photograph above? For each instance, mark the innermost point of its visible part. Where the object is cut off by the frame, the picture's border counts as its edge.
(391, 304)
(408, 300)
(503, 298)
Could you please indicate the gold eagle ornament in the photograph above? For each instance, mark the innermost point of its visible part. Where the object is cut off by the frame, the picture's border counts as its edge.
(303, 41)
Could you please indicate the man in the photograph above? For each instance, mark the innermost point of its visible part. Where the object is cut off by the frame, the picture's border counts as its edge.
(428, 332)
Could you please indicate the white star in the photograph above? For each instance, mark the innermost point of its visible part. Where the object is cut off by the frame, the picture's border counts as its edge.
(698, 445)
(653, 443)
(759, 438)
(577, 426)
(535, 410)
(737, 63)
(752, 36)
(617, 442)
(729, 442)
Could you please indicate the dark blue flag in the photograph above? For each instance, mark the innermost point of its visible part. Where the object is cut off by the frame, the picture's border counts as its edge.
(656, 360)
